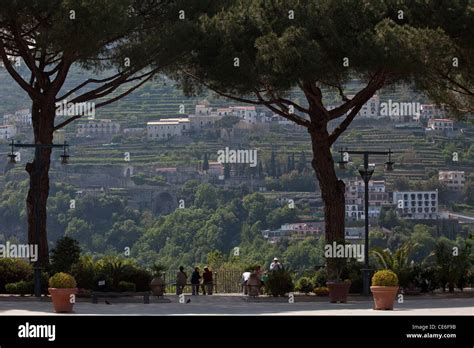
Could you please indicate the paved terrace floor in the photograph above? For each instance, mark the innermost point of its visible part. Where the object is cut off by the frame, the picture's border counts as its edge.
(240, 305)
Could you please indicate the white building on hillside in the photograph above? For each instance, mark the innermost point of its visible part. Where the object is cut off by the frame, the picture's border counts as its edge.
(441, 124)
(201, 121)
(429, 111)
(7, 132)
(167, 128)
(248, 114)
(19, 118)
(371, 108)
(355, 199)
(453, 179)
(224, 112)
(202, 109)
(416, 204)
(98, 128)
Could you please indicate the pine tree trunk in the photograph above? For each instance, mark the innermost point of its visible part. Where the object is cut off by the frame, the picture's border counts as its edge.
(36, 201)
(332, 192)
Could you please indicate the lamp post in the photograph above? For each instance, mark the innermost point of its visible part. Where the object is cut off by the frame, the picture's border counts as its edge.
(12, 160)
(366, 172)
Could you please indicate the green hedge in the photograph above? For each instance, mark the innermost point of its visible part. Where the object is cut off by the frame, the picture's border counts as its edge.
(13, 271)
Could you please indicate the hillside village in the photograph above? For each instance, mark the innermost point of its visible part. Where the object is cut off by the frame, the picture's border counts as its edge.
(148, 162)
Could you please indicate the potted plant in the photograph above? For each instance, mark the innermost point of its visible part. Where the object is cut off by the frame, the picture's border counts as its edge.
(158, 284)
(62, 287)
(384, 289)
(338, 288)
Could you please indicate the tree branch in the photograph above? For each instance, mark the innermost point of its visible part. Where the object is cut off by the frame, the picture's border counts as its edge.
(13, 73)
(260, 101)
(344, 124)
(361, 97)
(454, 82)
(122, 95)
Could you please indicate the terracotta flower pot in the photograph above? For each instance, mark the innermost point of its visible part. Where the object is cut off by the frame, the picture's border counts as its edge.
(62, 299)
(384, 296)
(157, 286)
(338, 292)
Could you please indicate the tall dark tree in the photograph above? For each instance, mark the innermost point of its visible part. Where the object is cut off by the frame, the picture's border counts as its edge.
(257, 52)
(65, 254)
(288, 164)
(278, 169)
(272, 171)
(302, 162)
(226, 171)
(260, 170)
(43, 42)
(205, 163)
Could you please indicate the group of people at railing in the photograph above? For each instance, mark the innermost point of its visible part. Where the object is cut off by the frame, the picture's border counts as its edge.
(251, 282)
(204, 281)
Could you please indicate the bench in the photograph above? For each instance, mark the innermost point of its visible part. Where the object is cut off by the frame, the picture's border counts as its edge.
(104, 294)
(189, 286)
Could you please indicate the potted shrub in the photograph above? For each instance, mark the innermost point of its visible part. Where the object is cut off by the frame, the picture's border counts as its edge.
(158, 284)
(384, 289)
(61, 287)
(338, 289)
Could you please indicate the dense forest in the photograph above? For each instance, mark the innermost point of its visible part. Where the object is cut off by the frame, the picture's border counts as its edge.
(217, 221)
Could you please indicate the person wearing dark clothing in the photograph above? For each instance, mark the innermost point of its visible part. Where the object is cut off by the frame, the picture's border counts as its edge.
(207, 281)
(181, 279)
(195, 280)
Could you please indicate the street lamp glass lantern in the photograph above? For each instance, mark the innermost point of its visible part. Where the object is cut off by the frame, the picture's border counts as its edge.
(343, 162)
(12, 154)
(389, 166)
(366, 173)
(64, 159)
(65, 156)
(12, 158)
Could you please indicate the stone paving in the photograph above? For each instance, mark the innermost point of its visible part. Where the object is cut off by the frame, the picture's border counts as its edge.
(240, 305)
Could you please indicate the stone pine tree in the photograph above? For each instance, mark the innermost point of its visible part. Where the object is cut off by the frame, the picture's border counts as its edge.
(117, 45)
(258, 51)
(447, 77)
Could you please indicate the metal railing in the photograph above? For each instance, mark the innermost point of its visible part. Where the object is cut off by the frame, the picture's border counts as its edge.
(226, 282)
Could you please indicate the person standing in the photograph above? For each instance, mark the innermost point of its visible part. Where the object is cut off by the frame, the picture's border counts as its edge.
(276, 265)
(245, 278)
(181, 279)
(259, 273)
(195, 280)
(207, 281)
